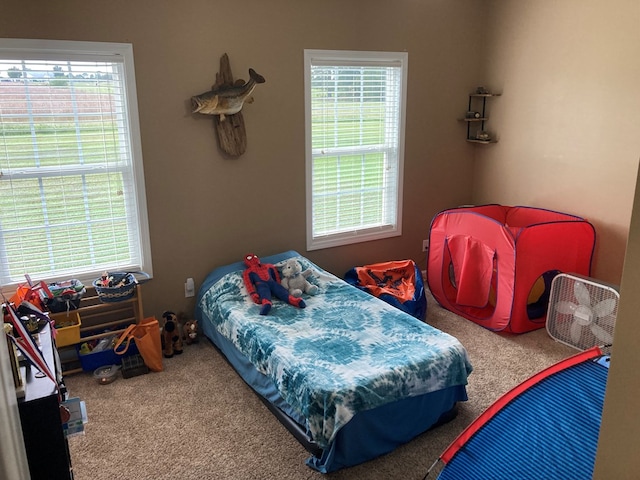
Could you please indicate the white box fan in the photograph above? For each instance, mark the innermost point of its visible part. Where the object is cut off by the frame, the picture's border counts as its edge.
(582, 311)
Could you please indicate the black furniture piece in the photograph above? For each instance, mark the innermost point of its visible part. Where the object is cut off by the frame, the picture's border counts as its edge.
(44, 440)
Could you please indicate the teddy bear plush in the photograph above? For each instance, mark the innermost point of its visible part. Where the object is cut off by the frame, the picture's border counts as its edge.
(190, 331)
(295, 280)
(171, 335)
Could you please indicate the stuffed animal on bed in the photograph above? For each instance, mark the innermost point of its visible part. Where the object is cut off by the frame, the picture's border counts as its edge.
(262, 280)
(171, 335)
(295, 280)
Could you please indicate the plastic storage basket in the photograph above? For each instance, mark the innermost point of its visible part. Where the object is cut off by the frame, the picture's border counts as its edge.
(65, 296)
(67, 328)
(124, 285)
(92, 360)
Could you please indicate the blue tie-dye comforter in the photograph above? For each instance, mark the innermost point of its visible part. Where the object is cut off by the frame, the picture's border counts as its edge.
(346, 352)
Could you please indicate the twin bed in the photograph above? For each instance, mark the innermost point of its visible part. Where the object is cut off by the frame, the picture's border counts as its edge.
(350, 376)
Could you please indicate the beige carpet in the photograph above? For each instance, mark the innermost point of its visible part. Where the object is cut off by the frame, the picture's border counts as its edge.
(199, 420)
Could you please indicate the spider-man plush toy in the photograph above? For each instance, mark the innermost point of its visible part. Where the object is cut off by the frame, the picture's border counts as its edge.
(261, 280)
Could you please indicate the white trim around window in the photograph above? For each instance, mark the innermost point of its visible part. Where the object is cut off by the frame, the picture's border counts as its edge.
(72, 190)
(355, 121)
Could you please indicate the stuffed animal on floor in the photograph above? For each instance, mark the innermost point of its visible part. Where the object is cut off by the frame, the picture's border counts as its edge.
(262, 280)
(171, 335)
(190, 331)
(295, 280)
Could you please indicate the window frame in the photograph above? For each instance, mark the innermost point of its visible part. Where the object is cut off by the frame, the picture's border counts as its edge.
(63, 50)
(347, 59)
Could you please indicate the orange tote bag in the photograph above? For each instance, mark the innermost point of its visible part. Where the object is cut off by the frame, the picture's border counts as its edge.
(146, 334)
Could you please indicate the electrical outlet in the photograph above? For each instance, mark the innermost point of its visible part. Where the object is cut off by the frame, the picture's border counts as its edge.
(189, 288)
(425, 245)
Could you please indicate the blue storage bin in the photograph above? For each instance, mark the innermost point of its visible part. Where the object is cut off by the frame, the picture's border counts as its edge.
(93, 360)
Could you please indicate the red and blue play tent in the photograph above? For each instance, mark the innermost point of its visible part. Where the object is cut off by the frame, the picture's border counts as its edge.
(493, 264)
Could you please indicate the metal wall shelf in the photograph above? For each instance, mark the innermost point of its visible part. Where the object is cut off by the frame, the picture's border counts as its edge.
(476, 132)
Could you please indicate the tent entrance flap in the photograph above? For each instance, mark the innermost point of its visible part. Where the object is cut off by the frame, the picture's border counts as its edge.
(473, 269)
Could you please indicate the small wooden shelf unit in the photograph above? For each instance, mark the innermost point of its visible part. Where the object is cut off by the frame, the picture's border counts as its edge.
(98, 320)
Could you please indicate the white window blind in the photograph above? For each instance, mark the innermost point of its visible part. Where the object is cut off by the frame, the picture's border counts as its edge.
(355, 137)
(72, 200)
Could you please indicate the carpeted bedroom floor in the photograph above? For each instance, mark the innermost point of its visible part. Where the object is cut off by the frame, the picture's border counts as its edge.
(198, 420)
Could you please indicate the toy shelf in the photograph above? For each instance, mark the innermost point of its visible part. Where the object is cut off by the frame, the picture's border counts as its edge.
(97, 317)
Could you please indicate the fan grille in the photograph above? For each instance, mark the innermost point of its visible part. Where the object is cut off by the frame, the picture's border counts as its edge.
(599, 308)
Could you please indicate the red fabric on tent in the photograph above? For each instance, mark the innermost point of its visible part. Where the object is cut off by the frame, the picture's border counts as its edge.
(525, 243)
(473, 269)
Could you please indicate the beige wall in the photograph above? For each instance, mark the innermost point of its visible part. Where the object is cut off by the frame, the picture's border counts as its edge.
(568, 118)
(569, 140)
(206, 210)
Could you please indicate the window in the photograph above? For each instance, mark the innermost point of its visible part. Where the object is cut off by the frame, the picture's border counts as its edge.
(355, 104)
(72, 199)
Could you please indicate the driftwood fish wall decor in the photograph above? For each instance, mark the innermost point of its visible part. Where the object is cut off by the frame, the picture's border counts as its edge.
(224, 104)
(226, 100)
